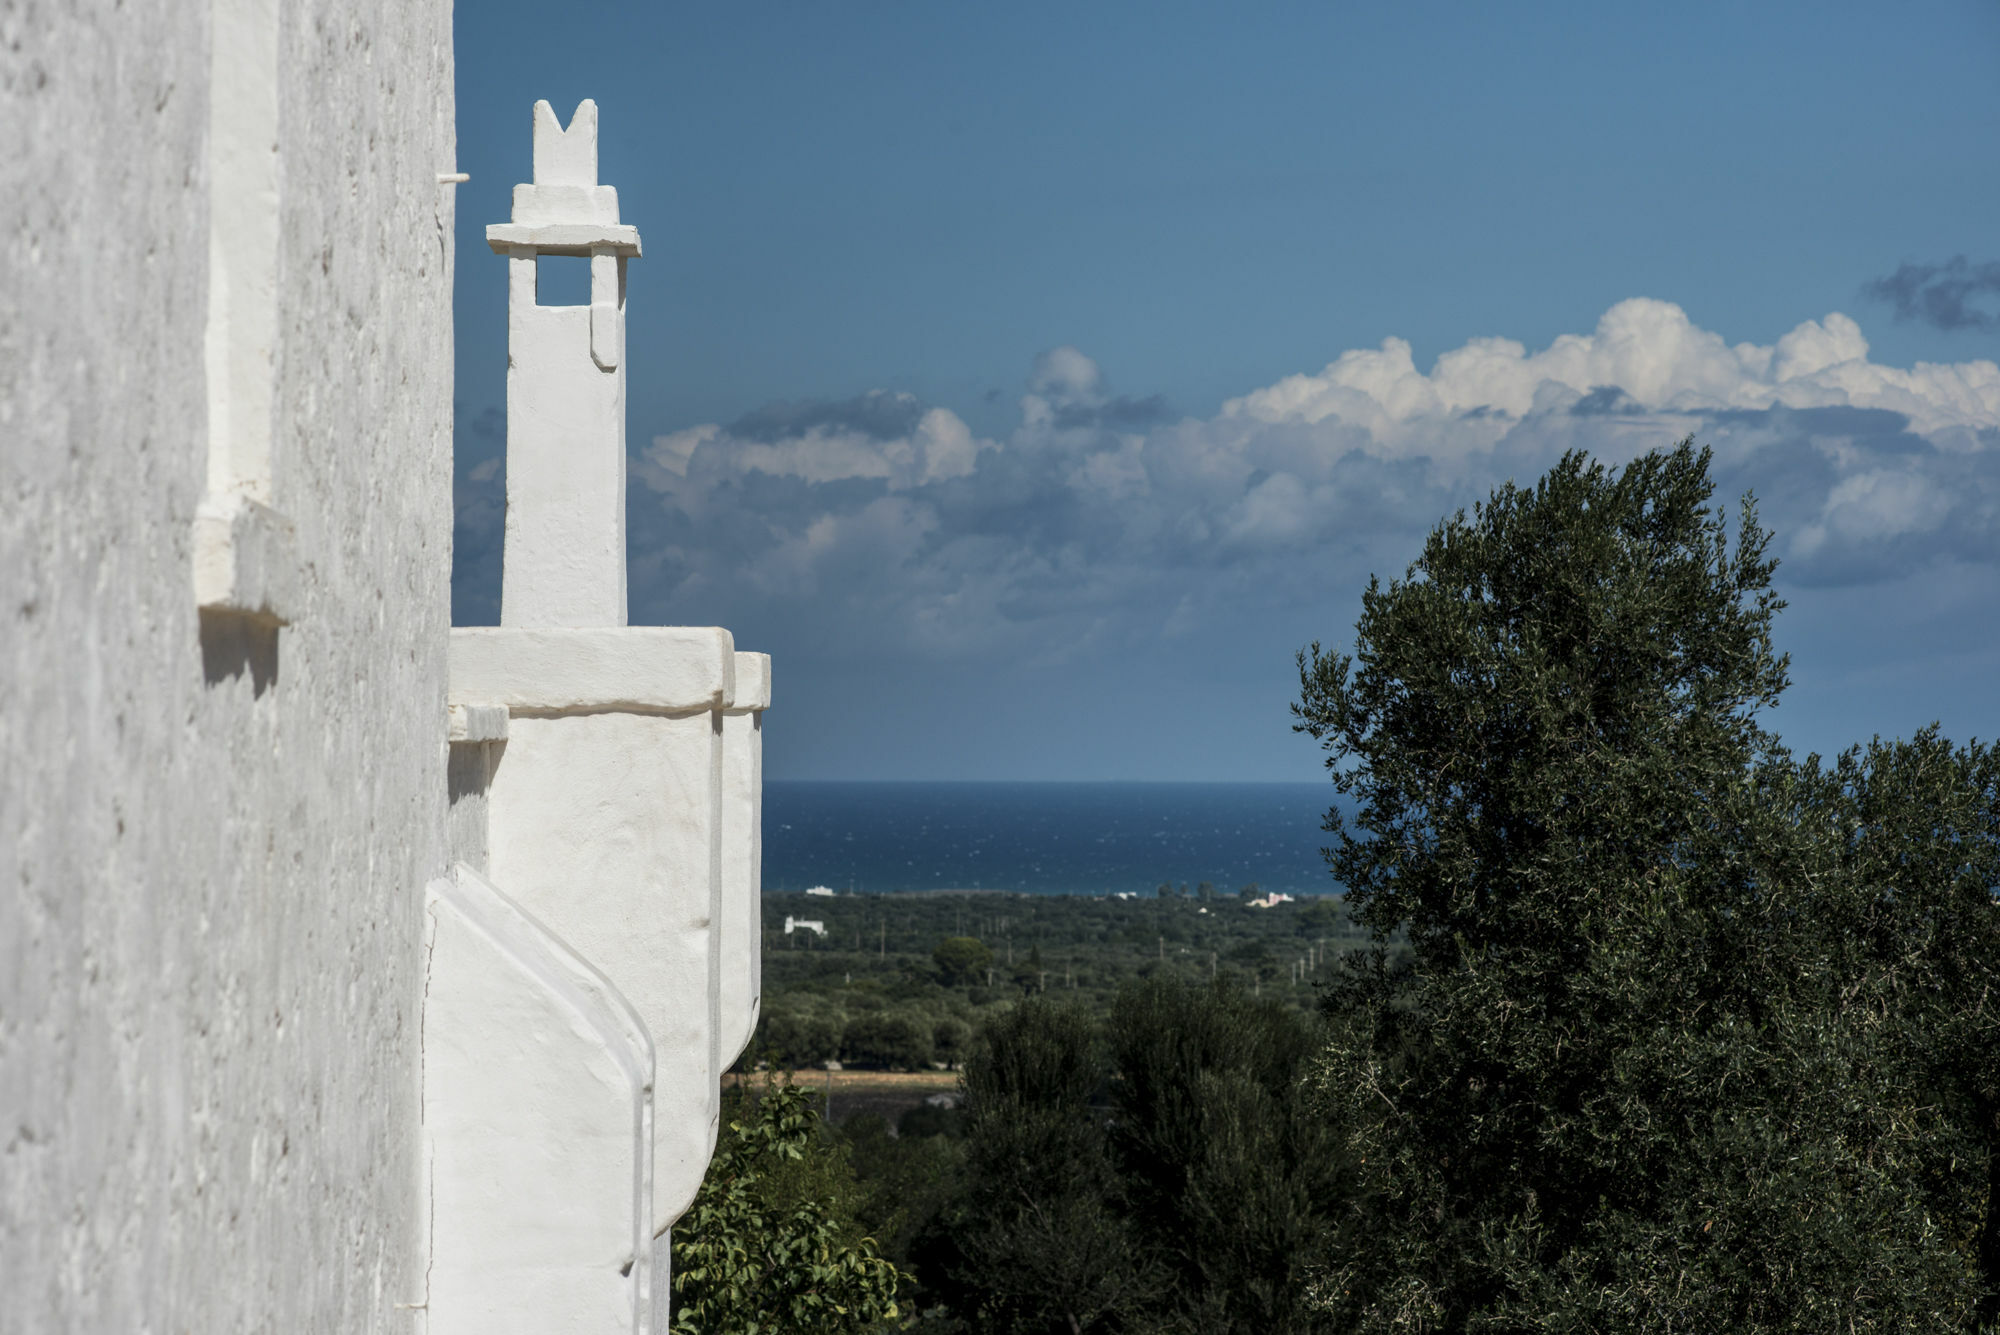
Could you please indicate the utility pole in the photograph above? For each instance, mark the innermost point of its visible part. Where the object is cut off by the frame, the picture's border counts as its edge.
(885, 938)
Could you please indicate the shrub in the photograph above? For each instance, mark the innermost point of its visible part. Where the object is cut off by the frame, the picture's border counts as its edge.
(962, 960)
(798, 1039)
(770, 1243)
(951, 1040)
(886, 1041)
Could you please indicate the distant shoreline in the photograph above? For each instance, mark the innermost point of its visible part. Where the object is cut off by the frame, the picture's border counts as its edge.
(1069, 838)
(1059, 783)
(1134, 895)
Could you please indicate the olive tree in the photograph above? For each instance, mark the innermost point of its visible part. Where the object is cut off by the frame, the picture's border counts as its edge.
(1645, 1067)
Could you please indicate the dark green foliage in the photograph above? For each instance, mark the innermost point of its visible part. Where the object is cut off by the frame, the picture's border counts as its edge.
(1916, 829)
(1673, 1049)
(928, 1119)
(951, 1040)
(770, 1245)
(1158, 1172)
(1229, 1179)
(906, 1181)
(1032, 1244)
(887, 1042)
(961, 960)
(795, 1038)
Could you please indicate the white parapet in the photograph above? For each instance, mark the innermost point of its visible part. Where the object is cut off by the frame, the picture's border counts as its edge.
(636, 669)
(604, 820)
(538, 1084)
(743, 853)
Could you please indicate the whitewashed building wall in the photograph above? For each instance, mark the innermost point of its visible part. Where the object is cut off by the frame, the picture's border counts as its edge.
(230, 808)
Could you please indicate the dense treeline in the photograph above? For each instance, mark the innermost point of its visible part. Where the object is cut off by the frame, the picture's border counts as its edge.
(1154, 1171)
(1154, 1166)
(1660, 1027)
(902, 982)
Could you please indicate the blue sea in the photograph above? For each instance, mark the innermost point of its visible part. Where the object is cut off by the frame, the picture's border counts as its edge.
(1045, 838)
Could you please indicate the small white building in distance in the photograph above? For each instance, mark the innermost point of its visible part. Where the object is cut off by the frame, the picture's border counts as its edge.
(812, 925)
(356, 973)
(824, 891)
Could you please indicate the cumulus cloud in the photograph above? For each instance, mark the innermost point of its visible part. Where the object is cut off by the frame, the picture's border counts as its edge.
(1946, 296)
(1066, 391)
(884, 523)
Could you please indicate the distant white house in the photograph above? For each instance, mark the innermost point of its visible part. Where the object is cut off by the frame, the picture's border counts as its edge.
(1271, 901)
(821, 890)
(803, 924)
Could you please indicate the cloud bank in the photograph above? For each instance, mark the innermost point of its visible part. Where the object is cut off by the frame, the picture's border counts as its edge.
(883, 523)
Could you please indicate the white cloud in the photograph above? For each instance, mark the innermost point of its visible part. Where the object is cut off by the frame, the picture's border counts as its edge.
(1062, 374)
(1648, 349)
(1875, 505)
(882, 519)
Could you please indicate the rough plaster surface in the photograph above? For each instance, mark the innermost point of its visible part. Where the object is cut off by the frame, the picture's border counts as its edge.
(214, 838)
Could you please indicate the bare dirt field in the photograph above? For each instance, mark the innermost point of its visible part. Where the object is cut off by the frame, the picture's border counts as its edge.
(887, 1093)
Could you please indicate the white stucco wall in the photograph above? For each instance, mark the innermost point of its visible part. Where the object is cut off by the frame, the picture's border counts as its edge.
(214, 843)
(538, 1128)
(743, 856)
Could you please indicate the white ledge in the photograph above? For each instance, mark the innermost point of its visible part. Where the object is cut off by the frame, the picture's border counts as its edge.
(753, 683)
(244, 560)
(627, 669)
(477, 723)
(559, 205)
(563, 238)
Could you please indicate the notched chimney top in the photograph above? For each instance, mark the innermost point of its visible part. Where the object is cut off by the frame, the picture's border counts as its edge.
(566, 157)
(564, 211)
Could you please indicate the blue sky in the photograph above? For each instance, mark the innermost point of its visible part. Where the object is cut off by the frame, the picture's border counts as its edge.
(1033, 380)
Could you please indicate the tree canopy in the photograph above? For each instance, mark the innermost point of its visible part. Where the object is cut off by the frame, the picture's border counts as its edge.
(961, 960)
(1689, 1037)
